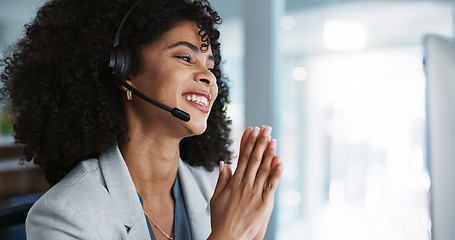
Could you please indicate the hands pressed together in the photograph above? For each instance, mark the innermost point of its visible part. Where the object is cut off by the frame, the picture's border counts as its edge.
(243, 202)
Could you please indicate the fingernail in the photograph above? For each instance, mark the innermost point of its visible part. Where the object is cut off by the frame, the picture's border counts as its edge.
(256, 131)
(267, 131)
(272, 144)
(221, 168)
(280, 166)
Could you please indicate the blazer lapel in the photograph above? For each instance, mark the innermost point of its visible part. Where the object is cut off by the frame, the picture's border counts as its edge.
(197, 187)
(123, 193)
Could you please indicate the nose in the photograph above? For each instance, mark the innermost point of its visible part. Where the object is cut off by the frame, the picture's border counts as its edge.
(206, 77)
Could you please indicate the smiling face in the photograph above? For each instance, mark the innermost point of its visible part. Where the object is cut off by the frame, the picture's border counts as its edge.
(174, 71)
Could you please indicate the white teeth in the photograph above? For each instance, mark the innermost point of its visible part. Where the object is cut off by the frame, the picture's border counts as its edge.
(205, 102)
(197, 99)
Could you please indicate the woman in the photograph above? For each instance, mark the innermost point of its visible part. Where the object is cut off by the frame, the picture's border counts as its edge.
(120, 167)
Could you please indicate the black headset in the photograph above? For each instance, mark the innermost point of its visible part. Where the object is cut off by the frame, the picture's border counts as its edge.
(120, 56)
(120, 65)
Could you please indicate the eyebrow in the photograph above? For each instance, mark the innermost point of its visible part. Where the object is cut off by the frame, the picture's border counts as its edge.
(190, 46)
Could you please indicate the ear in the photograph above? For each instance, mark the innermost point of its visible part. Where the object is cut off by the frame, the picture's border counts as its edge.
(129, 81)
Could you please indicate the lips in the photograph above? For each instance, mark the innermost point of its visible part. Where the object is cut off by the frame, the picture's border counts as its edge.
(199, 99)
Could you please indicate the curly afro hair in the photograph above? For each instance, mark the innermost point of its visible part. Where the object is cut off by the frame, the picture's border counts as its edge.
(66, 109)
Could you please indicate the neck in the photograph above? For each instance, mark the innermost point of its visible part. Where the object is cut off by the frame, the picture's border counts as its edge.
(152, 161)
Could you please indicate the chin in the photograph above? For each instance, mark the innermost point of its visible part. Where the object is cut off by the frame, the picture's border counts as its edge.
(197, 129)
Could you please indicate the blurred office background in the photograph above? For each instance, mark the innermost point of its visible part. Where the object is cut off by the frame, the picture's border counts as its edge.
(342, 84)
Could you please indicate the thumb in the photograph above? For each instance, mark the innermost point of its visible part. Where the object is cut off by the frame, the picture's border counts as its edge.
(223, 179)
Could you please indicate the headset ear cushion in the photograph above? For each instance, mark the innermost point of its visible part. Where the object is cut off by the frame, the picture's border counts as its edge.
(120, 62)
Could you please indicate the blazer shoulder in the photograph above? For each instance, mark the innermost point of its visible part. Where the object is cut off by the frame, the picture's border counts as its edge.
(77, 189)
(87, 174)
(70, 206)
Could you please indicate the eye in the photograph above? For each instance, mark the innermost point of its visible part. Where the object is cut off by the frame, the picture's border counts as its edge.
(185, 58)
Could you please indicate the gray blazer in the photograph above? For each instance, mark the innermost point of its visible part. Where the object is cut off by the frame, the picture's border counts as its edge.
(98, 200)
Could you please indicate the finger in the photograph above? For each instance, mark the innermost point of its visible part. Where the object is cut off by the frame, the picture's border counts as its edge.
(246, 146)
(229, 170)
(223, 179)
(245, 135)
(266, 165)
(273, 180)
(257, 155)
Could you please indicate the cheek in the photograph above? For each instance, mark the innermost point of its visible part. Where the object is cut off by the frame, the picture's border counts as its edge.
(161, 83)
(215, 92)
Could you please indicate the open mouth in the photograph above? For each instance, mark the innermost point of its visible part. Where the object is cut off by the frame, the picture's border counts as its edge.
(196, 98)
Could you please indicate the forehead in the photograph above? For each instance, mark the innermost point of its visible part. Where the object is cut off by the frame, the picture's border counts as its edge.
(187, 31)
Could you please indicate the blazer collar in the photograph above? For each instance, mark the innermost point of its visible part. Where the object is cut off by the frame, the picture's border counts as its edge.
(121, 188)
(197, 200)
(197, 192)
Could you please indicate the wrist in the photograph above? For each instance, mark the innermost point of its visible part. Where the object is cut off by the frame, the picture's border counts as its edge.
(227, 236)
(214, 236)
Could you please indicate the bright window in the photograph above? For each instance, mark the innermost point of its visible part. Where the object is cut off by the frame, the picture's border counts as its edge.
(353, 121)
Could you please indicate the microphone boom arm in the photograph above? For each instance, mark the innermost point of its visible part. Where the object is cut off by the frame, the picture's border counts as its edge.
(174, 111)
